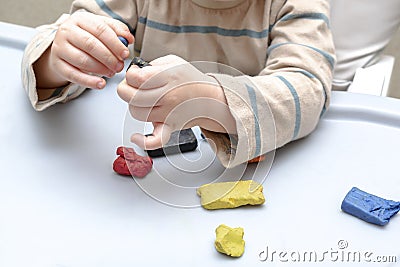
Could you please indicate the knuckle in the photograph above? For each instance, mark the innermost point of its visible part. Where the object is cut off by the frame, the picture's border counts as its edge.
(118, 24)
(90, 44)
(83, 62)
(63, 28)
(74, 77)
(111, 61)
(62, 32)
(140, 80)
(100, 29)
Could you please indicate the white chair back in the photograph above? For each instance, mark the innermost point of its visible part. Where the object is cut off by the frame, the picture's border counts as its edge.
(361, 30)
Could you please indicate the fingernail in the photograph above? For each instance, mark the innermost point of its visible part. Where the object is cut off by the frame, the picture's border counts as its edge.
(125, 54)
(100, 85)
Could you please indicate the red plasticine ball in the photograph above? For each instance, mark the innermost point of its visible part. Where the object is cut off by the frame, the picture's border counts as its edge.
(129, 163)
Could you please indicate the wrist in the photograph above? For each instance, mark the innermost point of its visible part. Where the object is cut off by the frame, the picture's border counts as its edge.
(46, 76)
(217, 116)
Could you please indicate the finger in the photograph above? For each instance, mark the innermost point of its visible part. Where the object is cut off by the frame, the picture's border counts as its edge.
(138, 97)
(152, 114)
(121, 29)
(103, 29)
(126, 92)
(94, 47)
(74, 75)
(149, 77)
(84, 61)
(160, 136)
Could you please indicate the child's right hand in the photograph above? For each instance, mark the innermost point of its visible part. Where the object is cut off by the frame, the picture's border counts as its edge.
(85, 47)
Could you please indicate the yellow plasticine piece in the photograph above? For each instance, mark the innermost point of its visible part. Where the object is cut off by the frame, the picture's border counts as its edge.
(228, 195)
(229, 240)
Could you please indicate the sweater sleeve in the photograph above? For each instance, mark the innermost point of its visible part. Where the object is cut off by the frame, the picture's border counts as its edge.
(125, 11)
(288, 97)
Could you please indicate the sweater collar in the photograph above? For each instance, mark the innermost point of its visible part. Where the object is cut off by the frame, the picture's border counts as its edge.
(218, 4)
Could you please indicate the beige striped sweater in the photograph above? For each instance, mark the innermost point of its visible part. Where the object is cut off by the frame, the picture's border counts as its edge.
(284, 49)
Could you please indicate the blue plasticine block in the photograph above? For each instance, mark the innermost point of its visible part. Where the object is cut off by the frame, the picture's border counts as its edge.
(368, 207)
(123, 40)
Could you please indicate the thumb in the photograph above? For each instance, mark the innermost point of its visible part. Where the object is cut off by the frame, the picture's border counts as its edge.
(159, 137)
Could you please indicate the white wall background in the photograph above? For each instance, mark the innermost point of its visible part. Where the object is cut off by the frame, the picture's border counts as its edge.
(32, 12)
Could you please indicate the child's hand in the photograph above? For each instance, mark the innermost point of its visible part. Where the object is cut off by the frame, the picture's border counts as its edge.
(86, 47)
(173, 95)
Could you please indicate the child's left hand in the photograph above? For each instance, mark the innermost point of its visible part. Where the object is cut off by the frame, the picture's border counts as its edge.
(173, 95)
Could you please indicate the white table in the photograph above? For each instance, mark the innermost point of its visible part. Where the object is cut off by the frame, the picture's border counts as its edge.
(61, 205)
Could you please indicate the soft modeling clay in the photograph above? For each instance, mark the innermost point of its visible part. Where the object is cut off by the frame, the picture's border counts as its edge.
(231, 194)
(257, 159)
(179, 142)
(129, 163)
(229, 240)
(368, 207)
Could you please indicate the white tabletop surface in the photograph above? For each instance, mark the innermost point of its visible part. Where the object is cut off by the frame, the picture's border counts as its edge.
(61, 204)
